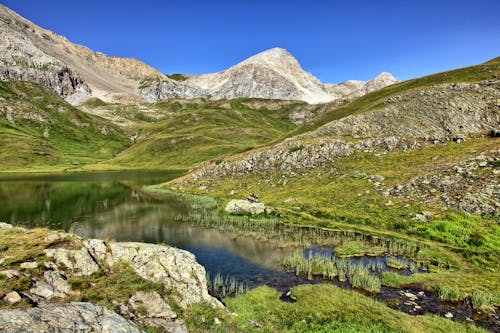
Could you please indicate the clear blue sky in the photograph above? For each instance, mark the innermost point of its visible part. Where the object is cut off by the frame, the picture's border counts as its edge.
(335, 40)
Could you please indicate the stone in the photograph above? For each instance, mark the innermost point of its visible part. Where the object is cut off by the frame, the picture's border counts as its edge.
(29, 265)
(153, 304)
(10, 273)
(175, 326)
(12, 297)
(4, 225)
(448, 315)
(64, 318)
(78, 261)
(236, 206)
(52, 285)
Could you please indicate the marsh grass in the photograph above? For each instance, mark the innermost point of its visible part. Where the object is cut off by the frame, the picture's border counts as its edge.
(225, 286)
(397, 263)
(329, 267)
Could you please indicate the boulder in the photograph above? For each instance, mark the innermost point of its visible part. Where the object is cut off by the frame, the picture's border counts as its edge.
(236, 206)
(64, 318)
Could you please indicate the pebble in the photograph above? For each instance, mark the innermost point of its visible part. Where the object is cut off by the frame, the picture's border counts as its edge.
(12, 297)
(449, 315)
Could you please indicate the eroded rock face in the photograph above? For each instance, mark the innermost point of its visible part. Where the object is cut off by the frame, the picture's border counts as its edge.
(64, 318)
(236, 206)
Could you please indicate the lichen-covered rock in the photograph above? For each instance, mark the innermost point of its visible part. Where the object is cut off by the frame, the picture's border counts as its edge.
(64, 318)
(150, 305)
(78, 261)
(52, 285)
(236, 206)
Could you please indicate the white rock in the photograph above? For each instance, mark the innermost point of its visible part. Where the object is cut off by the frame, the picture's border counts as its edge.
(29, 265)
(236, 206)
(12, 297)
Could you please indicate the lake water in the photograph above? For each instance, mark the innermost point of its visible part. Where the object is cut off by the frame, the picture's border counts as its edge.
(111, 205)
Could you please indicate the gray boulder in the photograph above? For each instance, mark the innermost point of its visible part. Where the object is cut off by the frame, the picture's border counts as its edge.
(236, 206)
(64, 318)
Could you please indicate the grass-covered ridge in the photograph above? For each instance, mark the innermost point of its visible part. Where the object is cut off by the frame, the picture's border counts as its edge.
(39, 130)
(487, 71)
(193, 132)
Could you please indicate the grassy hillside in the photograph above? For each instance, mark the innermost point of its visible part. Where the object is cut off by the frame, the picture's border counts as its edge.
(38, 130)
(487, 71)
(189, 133)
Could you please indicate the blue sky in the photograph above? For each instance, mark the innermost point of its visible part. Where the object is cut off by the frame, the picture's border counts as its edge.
(334, 40)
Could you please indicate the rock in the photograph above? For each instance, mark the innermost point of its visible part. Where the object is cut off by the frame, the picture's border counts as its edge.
(410, 295)
(53, 285)
(11, 297)
(177, 270)
(217, 321)
(153, 304)
(10, 273)
(176, 326)
(78, 261)
(29, 265)
(64, 318)
(448, 315)
(4, 225)
(236, 206)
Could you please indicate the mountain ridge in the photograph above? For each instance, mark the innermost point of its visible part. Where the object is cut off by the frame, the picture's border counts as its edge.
(75, 72)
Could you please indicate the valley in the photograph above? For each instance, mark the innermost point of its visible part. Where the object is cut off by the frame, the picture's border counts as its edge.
(362, 206)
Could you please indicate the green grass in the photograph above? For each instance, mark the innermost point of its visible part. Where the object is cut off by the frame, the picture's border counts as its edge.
(323, 308)
(44, 132)
(198, 133)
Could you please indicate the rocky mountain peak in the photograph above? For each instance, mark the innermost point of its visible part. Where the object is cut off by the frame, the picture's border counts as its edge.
(382, 80)
(273, 57)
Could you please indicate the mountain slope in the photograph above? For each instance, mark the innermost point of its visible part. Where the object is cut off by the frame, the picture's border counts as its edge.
(410, 116)
(192, 132)
(29, 52)
(39, 130)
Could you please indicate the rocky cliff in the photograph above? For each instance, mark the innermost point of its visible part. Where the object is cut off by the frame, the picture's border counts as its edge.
(28, 52)
(59, 269)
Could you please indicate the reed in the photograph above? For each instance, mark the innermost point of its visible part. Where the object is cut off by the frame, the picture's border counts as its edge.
(225, 286)
(397, 263)
(329, 267)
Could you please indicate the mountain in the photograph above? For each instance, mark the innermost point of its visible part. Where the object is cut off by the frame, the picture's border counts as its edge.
(28, 52)
(76, 73)
(272, 74)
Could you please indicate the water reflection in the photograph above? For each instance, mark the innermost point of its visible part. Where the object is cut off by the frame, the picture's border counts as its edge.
(109, 205)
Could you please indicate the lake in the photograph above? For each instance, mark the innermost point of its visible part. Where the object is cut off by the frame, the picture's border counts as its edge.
(111, 205)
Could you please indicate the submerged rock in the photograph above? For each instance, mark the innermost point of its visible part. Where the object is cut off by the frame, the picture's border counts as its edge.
(236, 206)
(65, 318)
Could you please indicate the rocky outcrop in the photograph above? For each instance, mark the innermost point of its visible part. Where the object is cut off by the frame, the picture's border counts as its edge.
(440, 112)
(470, 186)
(272, 74)
(65, 318)
(289, 156)
(178, 281)
(177, 270)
